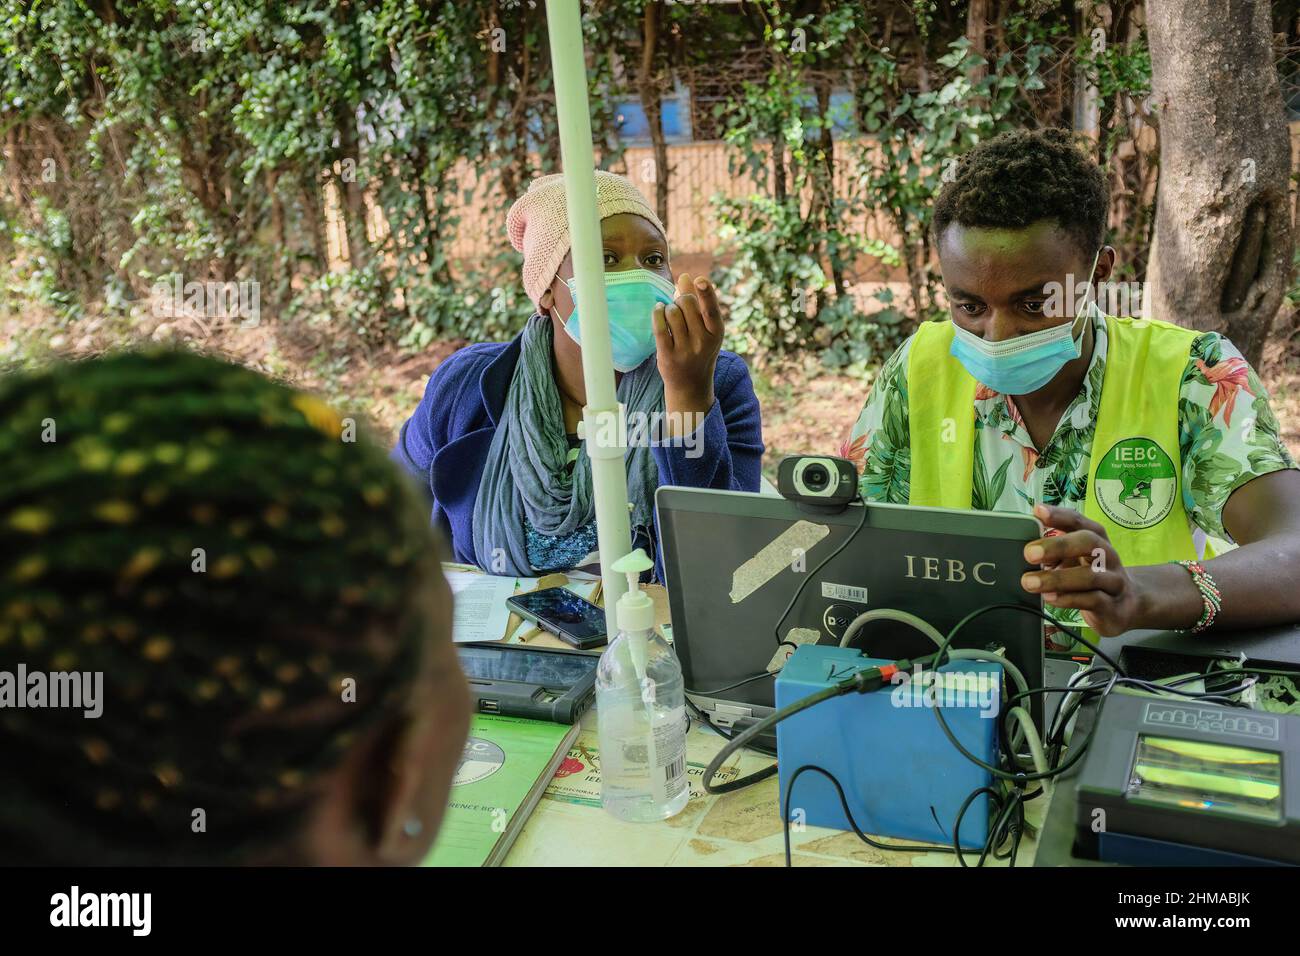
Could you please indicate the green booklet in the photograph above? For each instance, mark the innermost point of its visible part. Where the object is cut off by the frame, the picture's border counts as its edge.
(508, 762)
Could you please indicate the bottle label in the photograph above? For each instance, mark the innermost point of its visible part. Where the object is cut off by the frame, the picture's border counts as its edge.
(669, 772)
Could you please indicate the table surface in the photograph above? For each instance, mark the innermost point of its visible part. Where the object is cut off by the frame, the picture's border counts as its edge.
(569, 827)
(733, 829)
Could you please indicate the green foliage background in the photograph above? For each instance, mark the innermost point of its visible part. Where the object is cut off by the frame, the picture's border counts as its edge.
(145, 138)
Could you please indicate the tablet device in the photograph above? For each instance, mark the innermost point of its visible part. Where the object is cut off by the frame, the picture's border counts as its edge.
(537, 683)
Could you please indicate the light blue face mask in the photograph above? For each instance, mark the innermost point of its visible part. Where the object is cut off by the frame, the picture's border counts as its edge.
(1025, 363)
(631, 295)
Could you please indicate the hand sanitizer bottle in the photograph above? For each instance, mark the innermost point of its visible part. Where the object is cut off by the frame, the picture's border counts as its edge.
(640, 711)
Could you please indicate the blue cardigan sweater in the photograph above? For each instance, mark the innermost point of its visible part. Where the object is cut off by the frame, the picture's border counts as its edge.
(445, 443)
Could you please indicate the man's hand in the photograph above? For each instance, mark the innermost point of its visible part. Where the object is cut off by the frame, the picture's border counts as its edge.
(688, 337)
(1081, 569)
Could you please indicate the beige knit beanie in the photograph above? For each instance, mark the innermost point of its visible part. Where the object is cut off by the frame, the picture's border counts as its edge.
(538, 223)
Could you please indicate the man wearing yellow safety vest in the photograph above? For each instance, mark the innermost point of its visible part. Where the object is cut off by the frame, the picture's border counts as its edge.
(1133, 441)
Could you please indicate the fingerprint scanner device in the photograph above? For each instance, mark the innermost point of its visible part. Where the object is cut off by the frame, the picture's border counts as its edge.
(733, 561)
(901, 776)
(537, 683)
(1174, 783)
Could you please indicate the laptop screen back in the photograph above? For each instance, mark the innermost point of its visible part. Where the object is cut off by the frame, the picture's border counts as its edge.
(734, 560)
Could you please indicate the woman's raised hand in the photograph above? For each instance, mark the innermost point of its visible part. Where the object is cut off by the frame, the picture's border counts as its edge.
(688, 337)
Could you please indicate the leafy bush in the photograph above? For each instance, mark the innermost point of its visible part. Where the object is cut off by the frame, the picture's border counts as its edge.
(793, 257)
(212, 137)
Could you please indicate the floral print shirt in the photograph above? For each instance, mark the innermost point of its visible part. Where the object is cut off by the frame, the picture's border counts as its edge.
(1228, 435)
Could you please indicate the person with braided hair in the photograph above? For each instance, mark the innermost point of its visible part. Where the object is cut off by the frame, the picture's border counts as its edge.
(257, 585)
(1143, 447)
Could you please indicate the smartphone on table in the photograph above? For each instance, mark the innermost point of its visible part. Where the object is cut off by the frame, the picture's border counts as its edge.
(569, 617)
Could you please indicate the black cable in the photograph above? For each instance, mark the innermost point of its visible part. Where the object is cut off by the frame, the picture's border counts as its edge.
(1213, 682)
(1018, 831)
(753, 730)
(941, 656)
(1184, 680)
(997, 830)
(1015, 840)
(862, 520)
(1096, 650)
(1070, 690)
(720, 690)
(1083, 693)
(848, 814)
(1054, 770)
(861, 682)
(1010, 820)
(1294, 675)
(1039, 613)
(1243, 669)
(1064, 689)
(776, 631)
(1077, 695)
(1175, 686)
(1007, 807)
(1218, 697)
(1009, 825)
(956, 829)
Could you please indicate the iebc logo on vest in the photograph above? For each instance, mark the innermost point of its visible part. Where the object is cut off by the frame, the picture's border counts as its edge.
(1136, 483)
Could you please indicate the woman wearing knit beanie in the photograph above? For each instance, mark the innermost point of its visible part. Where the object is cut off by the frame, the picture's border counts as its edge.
(494, 438)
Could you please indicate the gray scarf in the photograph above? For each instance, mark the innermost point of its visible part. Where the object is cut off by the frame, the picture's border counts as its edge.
(525, 473)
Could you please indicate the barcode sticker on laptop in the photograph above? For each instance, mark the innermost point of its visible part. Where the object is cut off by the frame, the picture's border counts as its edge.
(844, 592)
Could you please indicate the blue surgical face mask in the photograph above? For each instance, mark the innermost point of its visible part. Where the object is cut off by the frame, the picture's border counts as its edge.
(631, 296)
(1025, 363)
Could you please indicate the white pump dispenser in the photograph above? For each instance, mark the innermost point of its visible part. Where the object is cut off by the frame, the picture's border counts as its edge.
(635, 610)
(640, 710)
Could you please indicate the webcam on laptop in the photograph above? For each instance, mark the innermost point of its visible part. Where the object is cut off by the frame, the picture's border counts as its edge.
(819, 482)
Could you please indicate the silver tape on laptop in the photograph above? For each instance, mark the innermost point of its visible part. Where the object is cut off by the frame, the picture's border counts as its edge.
(788, 550)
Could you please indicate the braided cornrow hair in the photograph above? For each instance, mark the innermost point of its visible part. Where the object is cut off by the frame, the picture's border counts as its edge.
(218, 548)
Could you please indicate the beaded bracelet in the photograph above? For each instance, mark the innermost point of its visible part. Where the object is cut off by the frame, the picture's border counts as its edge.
(1210, 596)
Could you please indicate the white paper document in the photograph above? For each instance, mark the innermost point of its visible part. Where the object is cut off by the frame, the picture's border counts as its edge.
(481, 612)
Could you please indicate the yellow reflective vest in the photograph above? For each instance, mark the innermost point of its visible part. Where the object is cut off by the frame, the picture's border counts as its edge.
(1135, 472)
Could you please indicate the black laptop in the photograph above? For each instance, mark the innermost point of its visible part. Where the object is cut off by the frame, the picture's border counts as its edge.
(734, 560)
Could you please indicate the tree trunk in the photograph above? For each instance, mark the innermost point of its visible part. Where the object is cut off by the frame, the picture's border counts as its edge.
(648, 90)
(922, 65)
(353, 205)
(272, 181)
(311, 201)
(824, 188)
(912, 253)
(515, 176)
(438, 266)
(1087, 99)
(1222, 259)
(977, 24)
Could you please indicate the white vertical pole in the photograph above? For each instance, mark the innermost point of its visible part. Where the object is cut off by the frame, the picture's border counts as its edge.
(604, 433)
